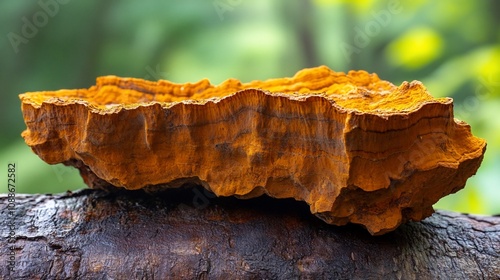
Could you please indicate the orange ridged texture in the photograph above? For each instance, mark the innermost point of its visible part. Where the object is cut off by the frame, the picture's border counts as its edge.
(355, 148)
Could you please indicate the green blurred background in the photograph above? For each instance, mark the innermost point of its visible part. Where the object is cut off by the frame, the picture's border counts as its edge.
(453, 46)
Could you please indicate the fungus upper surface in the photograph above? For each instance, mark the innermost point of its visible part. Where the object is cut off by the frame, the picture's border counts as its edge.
(357, 90)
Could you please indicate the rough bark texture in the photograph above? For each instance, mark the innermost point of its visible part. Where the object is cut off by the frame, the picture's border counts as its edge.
(189, 234)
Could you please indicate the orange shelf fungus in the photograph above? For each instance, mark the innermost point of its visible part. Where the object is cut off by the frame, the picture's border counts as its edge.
(357, 149)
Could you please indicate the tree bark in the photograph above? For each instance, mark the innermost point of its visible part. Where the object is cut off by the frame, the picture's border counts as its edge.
(189, 234)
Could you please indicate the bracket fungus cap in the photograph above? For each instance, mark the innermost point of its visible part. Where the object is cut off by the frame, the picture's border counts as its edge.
(357, 149)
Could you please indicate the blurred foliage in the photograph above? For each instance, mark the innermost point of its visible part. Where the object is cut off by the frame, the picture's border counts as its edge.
(451, 45)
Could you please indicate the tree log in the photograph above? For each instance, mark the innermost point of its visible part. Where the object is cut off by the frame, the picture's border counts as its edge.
(190, 234)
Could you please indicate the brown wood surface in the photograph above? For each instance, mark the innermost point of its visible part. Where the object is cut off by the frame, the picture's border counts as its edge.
(189, 234)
